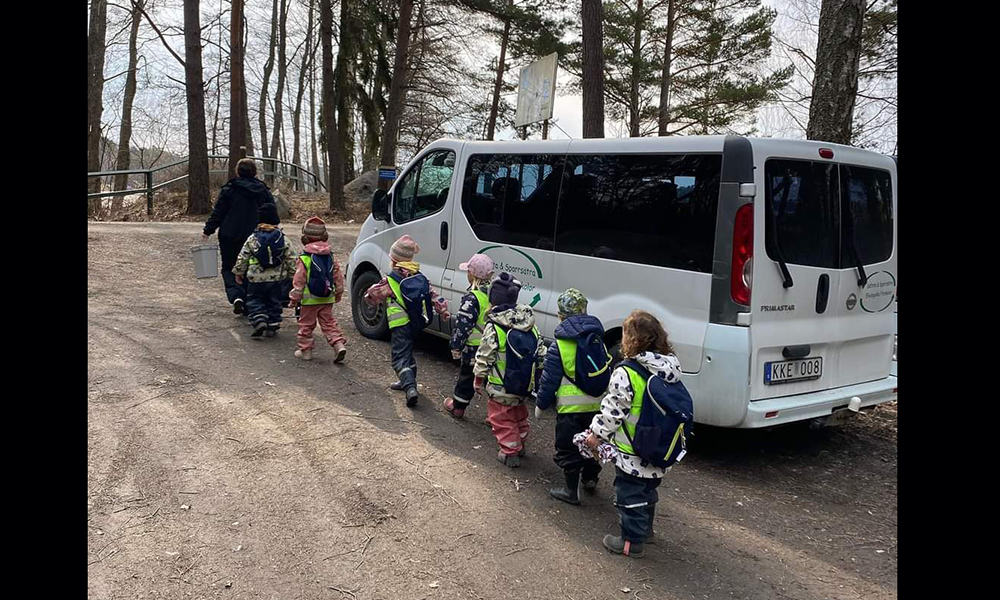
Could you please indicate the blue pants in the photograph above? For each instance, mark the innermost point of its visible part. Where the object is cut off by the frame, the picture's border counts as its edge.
(568, 456)
(635, 499)
(230, 248)
(402, 355)
(264, 303)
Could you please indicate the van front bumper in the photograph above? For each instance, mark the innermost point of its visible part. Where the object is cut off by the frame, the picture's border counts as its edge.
(817, 404)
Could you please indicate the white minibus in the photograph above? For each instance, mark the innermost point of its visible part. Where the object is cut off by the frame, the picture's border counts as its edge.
(771, 263)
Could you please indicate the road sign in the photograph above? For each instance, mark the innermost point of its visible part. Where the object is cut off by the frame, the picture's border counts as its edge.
(536, 91)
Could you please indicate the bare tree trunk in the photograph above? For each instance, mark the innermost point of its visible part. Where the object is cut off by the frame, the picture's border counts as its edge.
(245, 102)
(633, 96)
(593, 68)
(268, 68)
(237, 109)
(342, 79)
(95, 91)
(390, 132)
(835, 84)
(213, 147)
(665, 81)
(314, 163)
(282, 70)
(125, 131)
(336, 180)
(491, 125)
(198, 197)
(297, 113)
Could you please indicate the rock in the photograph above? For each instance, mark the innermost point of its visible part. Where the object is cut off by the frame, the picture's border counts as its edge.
(284, 206)
(362, 187)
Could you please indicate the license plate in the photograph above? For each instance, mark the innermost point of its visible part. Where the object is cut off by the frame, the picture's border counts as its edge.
(783, 371)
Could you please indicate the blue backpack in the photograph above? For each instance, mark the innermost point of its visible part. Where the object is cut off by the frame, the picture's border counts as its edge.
(667, 413)
(416, 292)
(320, 281)
(519, 372)
(272, 248)
(593, 365)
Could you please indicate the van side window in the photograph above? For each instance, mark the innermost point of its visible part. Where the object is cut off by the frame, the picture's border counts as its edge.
(866, 214)
(511, 198)
(649, 209)
(424, 189)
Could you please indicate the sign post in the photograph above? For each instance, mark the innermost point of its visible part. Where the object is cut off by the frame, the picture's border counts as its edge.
(386, 175)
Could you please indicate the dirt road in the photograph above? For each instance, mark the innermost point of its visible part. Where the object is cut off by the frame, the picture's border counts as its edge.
(223, 467)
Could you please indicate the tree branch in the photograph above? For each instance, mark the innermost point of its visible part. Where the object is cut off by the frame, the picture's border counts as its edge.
(159, 33)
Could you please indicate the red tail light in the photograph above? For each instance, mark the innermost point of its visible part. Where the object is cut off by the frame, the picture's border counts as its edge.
(740, 280)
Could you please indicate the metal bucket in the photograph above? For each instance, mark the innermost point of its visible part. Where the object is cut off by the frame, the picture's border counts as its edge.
(206, 260)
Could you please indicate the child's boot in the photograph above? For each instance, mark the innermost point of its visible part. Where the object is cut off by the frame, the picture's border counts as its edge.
(571, 493)
(411, 397)
(341, 351)
(454, 408)
(398, 386)
(618, 545)
(258, 329)
(511, 460)
(306, 354)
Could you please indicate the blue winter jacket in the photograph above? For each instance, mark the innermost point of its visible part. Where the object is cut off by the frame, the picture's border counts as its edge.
(572, 328)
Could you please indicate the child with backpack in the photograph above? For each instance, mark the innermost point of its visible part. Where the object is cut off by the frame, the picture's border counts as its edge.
(510, 353)
(645, 414)
(410, 304)
(317, 284)
(266, 262)
(468, 332)
(575, 376)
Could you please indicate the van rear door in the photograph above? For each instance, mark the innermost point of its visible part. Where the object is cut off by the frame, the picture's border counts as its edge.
(808, 330)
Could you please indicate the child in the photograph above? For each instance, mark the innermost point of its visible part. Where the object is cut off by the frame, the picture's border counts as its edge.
(468, 330)
(266, 261)
(403, 331)
(645, 341)
(575, 407)
(502, 369)
(318, 283)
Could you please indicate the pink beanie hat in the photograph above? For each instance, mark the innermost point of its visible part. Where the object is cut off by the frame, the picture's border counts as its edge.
(480, 265)
(403, 249)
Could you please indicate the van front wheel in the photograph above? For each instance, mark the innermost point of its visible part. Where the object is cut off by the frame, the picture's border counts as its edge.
(370, 321)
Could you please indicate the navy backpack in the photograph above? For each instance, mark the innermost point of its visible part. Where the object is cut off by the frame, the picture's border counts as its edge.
(416, 292)
(593, 365)
(320, 281)
(519, 372)
(272, 248)
(667, 414)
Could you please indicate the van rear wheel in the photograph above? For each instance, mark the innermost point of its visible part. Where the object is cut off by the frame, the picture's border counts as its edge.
(370, 321)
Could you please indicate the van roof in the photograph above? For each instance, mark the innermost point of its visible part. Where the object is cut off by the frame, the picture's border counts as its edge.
(685, 143)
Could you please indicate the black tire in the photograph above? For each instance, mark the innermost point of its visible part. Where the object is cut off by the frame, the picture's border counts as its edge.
(371, 322)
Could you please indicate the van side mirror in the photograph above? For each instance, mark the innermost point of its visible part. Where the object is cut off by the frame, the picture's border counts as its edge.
(380, 205)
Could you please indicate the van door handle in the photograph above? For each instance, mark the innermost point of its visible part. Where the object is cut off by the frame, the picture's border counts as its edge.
(822, 293)
(444, 235)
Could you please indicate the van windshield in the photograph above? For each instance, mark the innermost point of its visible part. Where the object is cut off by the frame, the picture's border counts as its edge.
(822, 214)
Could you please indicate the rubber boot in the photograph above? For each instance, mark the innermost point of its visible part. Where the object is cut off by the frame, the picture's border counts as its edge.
(411, 397)
(571, 493)
(617, 545)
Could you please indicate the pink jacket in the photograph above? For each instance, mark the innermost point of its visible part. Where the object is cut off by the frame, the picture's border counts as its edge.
(301, 277)
(381, 290)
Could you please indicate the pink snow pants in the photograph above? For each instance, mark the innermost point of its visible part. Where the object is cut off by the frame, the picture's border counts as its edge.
(307, 323)
(510, 425)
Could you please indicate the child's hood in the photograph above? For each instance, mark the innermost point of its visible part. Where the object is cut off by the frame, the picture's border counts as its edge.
(664, 366)
(317, 248)
(578, 326)
(520, 317)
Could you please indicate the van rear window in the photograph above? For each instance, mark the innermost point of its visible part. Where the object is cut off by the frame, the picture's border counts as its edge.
(821, 214)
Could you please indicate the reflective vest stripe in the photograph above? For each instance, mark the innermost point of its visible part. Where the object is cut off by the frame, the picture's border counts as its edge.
(307, 298)
(394, 310)
(569, 397)
(638, 385)
(476, 337)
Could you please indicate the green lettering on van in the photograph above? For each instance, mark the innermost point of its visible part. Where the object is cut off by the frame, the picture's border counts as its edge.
(538, 269)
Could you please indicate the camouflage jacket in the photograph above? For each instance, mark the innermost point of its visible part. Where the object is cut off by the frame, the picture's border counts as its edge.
(257, 274)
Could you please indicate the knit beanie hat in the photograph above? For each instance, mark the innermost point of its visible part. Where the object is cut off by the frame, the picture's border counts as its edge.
(571, 302)
(268, 213)
(480, 265)
(314, 228)
(504, 290)
(403, 249)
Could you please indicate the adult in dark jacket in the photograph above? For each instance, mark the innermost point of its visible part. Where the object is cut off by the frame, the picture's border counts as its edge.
(574, 408)
(235, 216)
